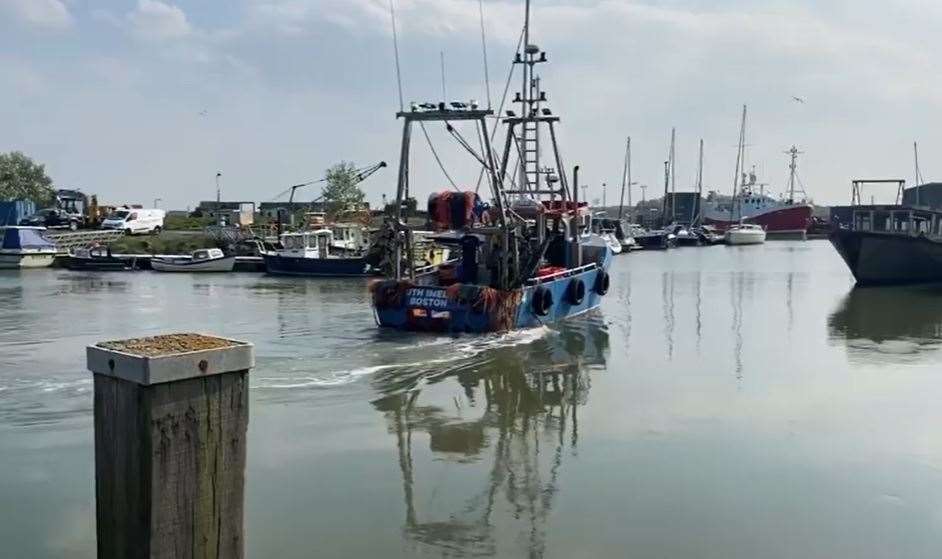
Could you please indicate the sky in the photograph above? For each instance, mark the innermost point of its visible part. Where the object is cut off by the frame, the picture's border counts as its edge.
(136, 100)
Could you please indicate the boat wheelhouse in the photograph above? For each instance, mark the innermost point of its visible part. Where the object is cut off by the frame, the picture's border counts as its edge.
(527, 259)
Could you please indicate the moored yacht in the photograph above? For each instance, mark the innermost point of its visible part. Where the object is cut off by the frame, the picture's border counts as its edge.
(745, 234)
(25, 247)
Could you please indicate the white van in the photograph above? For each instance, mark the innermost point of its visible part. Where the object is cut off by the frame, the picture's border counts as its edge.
(135, 221)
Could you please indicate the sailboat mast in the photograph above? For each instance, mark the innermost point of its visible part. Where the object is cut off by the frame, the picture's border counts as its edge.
(673, 179)
(696, 218)
(667, 182)
(739, 163)
(918, 179)
(625, 180)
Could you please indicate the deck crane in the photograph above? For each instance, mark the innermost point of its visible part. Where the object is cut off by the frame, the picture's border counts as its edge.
(360, 176)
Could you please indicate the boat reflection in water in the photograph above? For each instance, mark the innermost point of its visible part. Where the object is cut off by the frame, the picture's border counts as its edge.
(895, 320)
(497, 432)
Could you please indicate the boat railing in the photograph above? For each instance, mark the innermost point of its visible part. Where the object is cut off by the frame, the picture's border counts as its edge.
(561, 274)
(432, 268)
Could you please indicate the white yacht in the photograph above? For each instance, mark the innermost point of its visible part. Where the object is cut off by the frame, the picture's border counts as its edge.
(745, 234)
(25, 247)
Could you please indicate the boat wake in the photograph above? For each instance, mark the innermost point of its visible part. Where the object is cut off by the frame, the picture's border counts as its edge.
(444, 353)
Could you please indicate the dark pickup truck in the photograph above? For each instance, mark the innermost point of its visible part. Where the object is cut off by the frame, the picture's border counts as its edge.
(54, 218)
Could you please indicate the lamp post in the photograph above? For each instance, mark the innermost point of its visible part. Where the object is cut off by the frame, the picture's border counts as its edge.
(604, 197)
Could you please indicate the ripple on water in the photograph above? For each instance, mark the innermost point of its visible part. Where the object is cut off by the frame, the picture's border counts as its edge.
(45, 401)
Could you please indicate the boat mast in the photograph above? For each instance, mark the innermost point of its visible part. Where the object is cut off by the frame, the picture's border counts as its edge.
(696, 218)
(793, 169)
(918, 177)
(667, 182)
(532, 115)
(625, 180)
(739, 162)
(673, 180)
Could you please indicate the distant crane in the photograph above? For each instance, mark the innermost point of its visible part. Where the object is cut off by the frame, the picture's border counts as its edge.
(360, 176)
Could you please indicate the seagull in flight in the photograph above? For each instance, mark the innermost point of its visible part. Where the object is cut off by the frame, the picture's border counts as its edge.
(204, 112)
(798, 100)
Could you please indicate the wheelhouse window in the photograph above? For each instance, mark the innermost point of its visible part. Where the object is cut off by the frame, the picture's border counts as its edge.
(881, 221)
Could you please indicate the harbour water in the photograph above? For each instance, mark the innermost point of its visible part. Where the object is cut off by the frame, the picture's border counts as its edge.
(727, 402)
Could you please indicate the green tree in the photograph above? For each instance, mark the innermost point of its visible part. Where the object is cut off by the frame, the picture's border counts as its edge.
(21, 178)
(342, 191)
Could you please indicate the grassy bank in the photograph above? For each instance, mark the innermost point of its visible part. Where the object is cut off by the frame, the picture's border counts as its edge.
(167, 242)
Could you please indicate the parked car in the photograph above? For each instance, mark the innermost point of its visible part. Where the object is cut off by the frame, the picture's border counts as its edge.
(54, 218)
(135, 221)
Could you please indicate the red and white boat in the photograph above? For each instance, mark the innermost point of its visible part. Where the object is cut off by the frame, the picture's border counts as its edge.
(750, 204)
(775, 216)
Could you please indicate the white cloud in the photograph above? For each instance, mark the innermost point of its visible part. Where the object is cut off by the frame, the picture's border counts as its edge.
(155, 21)
(52, 14)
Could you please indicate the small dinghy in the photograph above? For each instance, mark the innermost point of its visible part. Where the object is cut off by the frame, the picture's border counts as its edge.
(204, 260)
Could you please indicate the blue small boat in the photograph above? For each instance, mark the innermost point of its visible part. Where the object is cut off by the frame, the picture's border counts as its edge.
(311, 253)
(528, 259)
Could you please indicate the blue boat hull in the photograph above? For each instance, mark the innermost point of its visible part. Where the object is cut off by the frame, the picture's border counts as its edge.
(424, 308)
(317, 267)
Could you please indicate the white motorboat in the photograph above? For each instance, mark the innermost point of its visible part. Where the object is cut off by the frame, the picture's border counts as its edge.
(204, 260)
(745, 234)
(612, 241)
(25, 247)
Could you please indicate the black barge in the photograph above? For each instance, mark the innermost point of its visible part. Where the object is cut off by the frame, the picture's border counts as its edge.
(889, 244)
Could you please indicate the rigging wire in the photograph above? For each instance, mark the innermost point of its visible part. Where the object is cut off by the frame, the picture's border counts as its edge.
(464, 143)
(487, 78)
(500, 109)
(392, 15)
(438, 159)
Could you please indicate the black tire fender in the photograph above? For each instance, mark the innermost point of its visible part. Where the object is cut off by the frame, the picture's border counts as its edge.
(575, 291)
(602, 282)
(542, 301)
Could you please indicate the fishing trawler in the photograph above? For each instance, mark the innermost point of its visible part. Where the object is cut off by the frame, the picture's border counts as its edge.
(527, 259)
(790, 214)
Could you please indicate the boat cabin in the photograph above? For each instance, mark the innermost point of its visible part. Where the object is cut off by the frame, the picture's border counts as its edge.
(307, 244)
(208, 254)
(900, 218)
(349, 236)
(25, 239)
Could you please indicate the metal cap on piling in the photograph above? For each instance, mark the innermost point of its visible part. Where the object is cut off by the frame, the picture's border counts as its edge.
(169, 358)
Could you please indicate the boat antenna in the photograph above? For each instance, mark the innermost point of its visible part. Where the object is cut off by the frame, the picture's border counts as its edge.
(625, 179)
(392, 15)
(487, 77)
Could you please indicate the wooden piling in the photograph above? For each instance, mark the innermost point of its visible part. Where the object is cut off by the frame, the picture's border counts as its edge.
(171, 414)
